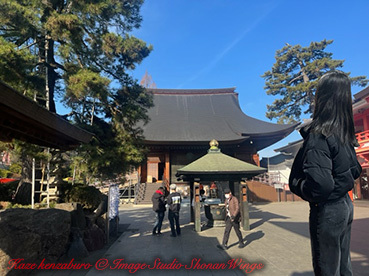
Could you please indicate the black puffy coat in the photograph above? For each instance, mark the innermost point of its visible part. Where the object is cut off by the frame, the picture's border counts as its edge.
(324, 169)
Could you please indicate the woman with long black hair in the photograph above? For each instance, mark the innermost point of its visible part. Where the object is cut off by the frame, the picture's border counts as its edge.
(324, 171)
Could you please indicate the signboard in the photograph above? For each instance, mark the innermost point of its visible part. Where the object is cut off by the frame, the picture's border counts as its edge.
(114, 201)
(278, 185)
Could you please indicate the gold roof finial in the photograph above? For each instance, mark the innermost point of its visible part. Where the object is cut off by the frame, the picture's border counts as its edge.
(214, 144)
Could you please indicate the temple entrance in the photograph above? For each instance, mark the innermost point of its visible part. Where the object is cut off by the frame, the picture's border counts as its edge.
(157, 168)
(161, 171)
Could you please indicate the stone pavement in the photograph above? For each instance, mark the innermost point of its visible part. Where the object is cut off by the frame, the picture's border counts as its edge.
(278, 239)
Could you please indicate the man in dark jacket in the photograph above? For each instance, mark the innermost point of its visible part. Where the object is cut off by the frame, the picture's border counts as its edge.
(233, 218)
(158, 205)
(174, 202)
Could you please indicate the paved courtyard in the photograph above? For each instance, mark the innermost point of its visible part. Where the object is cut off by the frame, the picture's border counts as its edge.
(277, 244)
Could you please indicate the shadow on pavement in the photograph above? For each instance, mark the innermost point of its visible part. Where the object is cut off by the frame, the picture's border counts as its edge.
(359, 237)
(192, 252)
(360, 246)
(308, 273)
(254, 236)
(300, 228)
(263, 216)
(250, 238)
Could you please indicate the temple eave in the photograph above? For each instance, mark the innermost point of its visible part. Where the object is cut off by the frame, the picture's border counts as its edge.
(199, 142)
(23, 119)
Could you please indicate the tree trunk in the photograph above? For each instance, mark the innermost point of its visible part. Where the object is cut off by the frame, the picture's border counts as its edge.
(50, 74)
(304, 75)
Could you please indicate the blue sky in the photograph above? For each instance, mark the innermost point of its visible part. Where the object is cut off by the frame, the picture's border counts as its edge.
(231, 43)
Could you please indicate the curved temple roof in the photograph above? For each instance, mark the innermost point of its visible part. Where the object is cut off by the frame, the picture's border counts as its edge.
(199, 115)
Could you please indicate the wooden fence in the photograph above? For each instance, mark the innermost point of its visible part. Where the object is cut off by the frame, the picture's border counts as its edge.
(260, 192)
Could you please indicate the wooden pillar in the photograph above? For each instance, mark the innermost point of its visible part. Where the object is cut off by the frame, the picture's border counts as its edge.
(365, 122)
(358, 188)
(143, 172)
(196, 193)
(231, 187)
(192, 212)
(167, 167)
(245, 218)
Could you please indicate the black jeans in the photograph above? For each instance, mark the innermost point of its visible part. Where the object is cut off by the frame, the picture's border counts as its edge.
(228, 227)
(174, 217)
(159, 222)
(330, 234)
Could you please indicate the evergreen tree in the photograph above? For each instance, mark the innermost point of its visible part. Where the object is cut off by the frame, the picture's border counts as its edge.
(294, 77)
(82, 51)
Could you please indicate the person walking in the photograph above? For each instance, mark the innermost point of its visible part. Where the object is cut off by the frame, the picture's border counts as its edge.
(233, 218)
(174, 203)
(158, 205)
(323, 173)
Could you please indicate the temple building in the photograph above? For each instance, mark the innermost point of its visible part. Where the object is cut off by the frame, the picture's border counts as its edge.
(282, 162)
(361, 119)
(279, 166)
(183, 121)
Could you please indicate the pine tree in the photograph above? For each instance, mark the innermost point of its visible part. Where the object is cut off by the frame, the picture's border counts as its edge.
(82, 51)
(294, 77)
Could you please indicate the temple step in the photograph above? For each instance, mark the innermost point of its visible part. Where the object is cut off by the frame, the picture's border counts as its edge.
(145, 192)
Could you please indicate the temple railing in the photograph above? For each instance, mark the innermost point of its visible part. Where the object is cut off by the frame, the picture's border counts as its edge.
(363, 140)
(362, 136)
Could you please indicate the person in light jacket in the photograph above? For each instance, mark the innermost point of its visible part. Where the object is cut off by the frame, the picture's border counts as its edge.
(233, 218)
(323, 173)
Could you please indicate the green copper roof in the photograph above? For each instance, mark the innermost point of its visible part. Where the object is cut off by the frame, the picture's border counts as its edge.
(215, 162)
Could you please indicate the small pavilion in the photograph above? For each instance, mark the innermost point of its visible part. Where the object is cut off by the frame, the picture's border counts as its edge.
(218, 167)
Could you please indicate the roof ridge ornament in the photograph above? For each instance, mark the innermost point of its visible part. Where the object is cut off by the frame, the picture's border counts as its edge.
(214, 146)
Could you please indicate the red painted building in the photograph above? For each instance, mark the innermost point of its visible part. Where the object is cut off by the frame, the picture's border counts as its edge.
(361, 118)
